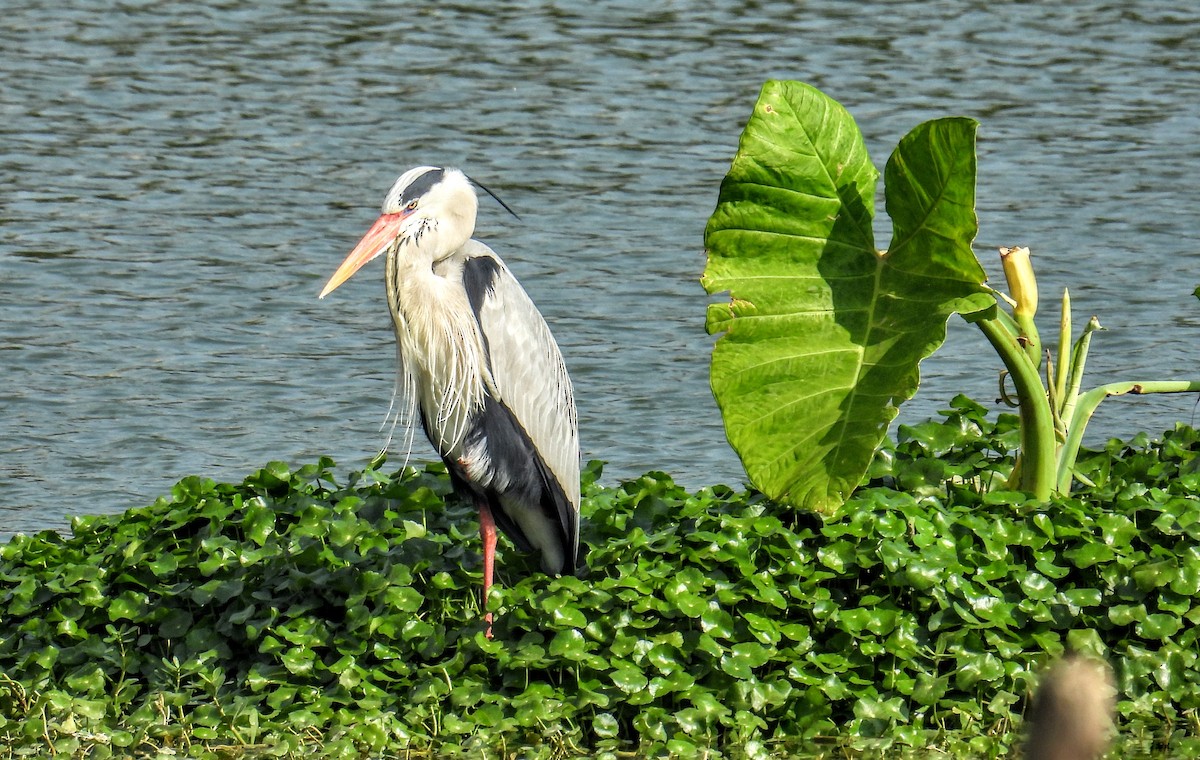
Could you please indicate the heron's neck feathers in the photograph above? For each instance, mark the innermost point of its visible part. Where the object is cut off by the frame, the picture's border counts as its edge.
(439, 344)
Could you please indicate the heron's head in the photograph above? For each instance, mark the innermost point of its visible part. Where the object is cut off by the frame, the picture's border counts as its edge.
(430, 209)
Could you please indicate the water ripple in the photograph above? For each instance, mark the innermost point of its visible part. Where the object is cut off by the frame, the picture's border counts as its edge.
(180, 179)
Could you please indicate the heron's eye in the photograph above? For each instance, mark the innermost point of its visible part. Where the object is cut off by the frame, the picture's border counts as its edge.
(412, 205)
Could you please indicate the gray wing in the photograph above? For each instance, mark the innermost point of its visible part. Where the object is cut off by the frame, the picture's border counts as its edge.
(528, 373)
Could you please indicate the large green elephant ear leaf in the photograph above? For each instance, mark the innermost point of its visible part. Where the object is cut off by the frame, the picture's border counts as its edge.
(822, 332)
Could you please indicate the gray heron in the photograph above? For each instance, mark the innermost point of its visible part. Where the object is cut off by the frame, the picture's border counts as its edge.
(478, 363)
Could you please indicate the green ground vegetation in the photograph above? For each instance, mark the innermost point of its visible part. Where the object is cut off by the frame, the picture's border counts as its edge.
(294, 614)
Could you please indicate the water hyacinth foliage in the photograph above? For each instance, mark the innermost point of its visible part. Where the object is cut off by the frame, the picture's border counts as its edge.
(292, 613)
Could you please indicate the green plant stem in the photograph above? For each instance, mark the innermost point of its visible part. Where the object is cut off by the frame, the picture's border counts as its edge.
(1037, 473)
(1064, 357)
(1075, 379)
(1032, 340)
(1086, 406)
(1060, 429)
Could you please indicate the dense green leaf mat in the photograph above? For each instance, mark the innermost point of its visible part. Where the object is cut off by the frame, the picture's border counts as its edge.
(292, 614)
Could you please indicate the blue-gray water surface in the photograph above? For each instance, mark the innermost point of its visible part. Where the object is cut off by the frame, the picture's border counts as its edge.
(177, 180)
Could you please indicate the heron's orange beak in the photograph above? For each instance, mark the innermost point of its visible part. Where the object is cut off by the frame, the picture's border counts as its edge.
(376, 241)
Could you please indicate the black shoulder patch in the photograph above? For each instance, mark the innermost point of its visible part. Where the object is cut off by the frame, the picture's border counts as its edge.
(479, 275)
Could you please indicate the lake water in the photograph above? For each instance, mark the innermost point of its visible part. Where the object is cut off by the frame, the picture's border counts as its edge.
(177, 181)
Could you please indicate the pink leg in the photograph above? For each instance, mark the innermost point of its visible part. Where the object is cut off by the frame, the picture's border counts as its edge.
(487, 532)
